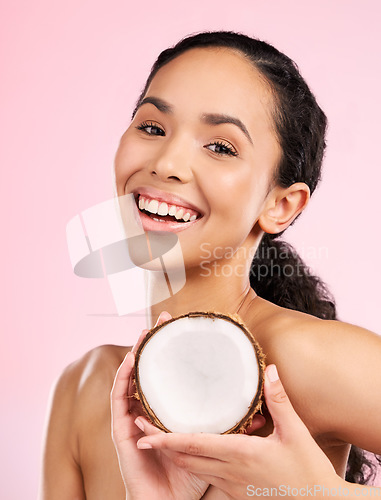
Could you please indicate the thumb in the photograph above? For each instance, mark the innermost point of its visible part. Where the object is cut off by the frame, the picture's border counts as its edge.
(286, 420)
(163, 317)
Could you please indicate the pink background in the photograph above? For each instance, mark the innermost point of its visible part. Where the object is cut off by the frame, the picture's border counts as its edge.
(71, 73)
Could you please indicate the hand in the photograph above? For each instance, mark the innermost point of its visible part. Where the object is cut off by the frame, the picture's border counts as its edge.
(146, 474)
(238, 464)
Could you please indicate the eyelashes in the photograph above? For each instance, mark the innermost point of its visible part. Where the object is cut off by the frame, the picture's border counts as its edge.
(149, 127)
(219, 147)
(222, 148)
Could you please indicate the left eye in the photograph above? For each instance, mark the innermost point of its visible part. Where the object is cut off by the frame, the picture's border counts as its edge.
(222, 148)
(151, 129)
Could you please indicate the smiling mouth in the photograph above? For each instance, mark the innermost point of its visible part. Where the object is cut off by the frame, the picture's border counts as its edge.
(160, 211)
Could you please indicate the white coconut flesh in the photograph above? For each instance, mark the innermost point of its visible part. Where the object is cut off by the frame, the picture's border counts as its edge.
(199, 374)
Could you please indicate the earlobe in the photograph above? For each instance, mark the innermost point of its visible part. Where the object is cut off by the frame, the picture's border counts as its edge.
(283, 205)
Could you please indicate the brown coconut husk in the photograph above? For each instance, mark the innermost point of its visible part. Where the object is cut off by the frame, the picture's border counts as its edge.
(256, 403)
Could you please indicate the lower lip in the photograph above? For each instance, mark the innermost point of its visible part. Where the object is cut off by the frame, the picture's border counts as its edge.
(153, 225)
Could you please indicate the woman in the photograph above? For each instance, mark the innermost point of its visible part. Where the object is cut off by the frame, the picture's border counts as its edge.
(227, 131)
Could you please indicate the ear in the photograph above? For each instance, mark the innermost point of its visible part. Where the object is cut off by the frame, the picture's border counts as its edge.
(282, 206)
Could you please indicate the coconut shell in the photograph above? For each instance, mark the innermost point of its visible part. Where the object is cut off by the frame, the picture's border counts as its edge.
(236, 320)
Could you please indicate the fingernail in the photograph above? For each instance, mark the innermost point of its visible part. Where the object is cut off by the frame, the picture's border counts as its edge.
(143, 446)
(160, 315)
(140, 424)
(158, 319)
(272, 373)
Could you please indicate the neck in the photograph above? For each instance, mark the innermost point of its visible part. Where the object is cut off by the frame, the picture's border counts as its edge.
(221, 286)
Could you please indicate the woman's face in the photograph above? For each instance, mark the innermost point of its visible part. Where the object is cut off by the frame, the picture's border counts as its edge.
(202, 139)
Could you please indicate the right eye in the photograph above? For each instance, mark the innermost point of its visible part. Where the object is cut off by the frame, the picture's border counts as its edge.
(151, 128)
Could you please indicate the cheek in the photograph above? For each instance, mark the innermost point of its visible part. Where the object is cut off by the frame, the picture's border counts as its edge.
(239, 194)
(128, 160)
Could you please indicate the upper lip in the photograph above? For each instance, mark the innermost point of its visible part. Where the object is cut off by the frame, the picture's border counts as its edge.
(169, 198)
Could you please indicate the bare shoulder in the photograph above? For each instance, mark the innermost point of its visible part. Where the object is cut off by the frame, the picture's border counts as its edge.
(280, 329)
(80, 400)
(289, 334)
(330, 369)
(96, 367)
(95, 370)
(88, 381)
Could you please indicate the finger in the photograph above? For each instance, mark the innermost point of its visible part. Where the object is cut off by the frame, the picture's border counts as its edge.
(163, 316)
(218, 482)
(286, 420)
(197, 464)
(119, 398)
(228, 489)
(140, 340)
(146, 427)
(206, 445)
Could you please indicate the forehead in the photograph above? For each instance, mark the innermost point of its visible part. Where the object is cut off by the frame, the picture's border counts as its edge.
(215, 80)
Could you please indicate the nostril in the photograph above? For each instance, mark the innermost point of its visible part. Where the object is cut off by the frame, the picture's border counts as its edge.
(168, 177)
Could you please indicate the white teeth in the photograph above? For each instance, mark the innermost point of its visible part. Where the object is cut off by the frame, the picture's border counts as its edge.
(163, 209)
(153, 205)
(179, 214)
(172, 210)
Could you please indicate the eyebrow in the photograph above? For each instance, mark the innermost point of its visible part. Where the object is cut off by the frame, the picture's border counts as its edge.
(160, 104)
(208, 118)
(217, 119)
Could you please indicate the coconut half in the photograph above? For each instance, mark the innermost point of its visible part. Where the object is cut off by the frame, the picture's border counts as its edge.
(201, 372)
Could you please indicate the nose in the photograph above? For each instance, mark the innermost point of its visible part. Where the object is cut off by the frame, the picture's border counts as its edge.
(173, 161)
